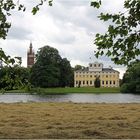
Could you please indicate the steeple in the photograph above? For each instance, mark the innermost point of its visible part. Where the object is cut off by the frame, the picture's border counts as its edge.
(30, 56)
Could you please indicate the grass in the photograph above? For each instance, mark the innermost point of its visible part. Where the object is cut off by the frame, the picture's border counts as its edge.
(82, 90)
(68, 90)
(69, 121)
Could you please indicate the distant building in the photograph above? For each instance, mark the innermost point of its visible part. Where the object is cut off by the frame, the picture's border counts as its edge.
(30, 56)
(86, 76)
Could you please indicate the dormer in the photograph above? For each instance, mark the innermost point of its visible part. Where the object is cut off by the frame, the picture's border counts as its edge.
(95, 66)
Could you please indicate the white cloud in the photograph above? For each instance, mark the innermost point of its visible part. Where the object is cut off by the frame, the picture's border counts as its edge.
(69, 26)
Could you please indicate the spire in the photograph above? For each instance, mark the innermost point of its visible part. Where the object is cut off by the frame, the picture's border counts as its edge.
(31, 46)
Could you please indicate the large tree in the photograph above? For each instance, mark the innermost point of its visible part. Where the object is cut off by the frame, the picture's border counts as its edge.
(131, 79)
(50, 70)
(46, 70)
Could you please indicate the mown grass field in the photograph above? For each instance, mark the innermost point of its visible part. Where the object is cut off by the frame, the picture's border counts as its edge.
(69, 90)
(69, 120)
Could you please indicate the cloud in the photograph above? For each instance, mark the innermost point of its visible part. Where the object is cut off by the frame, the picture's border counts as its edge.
(18, 33)
(69, 25)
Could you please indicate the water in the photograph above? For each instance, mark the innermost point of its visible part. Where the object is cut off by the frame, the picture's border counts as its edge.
(75, 98)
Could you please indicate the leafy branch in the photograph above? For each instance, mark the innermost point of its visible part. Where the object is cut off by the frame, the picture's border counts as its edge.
(122, 38)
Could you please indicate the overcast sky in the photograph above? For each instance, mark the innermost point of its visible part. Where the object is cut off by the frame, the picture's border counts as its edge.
(69, 26)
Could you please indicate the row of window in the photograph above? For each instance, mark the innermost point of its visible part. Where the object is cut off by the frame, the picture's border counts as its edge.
(95, 65)
(95, 76)
(93, 72)
(92, 82)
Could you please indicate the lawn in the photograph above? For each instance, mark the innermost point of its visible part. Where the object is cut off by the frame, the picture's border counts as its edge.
(69, 121)
(82, 90)
(69, 90)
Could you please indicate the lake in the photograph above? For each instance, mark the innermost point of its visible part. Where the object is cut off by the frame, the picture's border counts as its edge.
(75, 98)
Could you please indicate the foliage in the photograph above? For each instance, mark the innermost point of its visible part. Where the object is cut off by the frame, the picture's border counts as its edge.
(131, 79)
(6, 59)
(78, 67)
(121, 41)
(37, 7)
(6, 6)
(66, 74)
(97, 82)
(50, 70)
(14, 77)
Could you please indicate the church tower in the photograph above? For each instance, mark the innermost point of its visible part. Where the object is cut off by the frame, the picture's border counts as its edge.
(30, 56)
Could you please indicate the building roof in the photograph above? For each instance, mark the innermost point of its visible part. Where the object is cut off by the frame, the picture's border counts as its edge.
(103, 70)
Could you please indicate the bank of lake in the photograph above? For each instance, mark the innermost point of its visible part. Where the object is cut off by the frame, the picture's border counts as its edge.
(65, 90)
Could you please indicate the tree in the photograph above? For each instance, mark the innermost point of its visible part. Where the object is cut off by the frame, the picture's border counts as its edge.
(67, 74)
(97, 82)
(131, 79)
(46, 70)
(50, 70)
(78, 67)
(14, 77)
(121, 41)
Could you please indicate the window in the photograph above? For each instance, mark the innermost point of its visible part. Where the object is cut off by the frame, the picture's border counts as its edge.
(106, 82)
(90, 65)
(110, 82)
(99, 65)
(114, 82)
(90, 82)
(103, 82)
(87, 82)
(106, 76)
(94, 65)
(90, 75)
(83, 82)
(76, 82)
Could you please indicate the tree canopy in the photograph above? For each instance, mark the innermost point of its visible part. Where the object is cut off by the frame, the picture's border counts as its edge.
(131, 79)
(14, 77)
(50, 70)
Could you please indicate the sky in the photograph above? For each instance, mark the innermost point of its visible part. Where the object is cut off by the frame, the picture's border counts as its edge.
(69, 26)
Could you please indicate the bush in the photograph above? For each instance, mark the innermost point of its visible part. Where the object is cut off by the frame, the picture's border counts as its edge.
(129, 87)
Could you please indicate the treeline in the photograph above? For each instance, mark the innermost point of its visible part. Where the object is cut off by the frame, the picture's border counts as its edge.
(49, 70)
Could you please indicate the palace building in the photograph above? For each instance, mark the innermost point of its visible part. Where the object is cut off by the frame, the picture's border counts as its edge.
(30, 56)
(86, 76)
